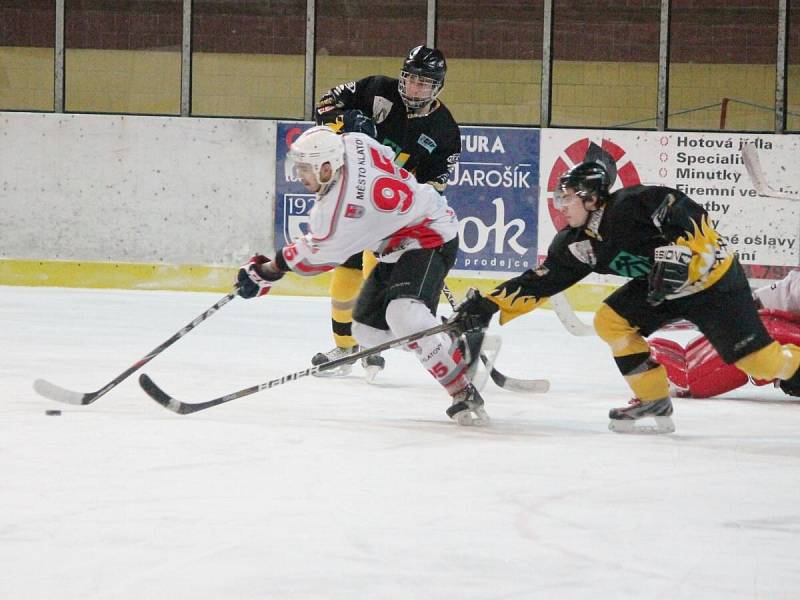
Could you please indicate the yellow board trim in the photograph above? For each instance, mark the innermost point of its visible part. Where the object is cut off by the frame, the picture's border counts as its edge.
(203, 278)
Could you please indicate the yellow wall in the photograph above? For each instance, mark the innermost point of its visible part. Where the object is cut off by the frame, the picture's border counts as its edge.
(26, 78)
(598, 94)
(604, 94)
(122, 81)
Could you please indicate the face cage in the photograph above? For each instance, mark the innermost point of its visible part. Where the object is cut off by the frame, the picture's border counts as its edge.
(414, 102)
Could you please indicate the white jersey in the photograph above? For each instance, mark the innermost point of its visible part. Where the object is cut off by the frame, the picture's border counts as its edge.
(373, 205)
(783, 294)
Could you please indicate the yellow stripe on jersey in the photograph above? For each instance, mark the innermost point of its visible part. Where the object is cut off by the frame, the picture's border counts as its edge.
(513, 304)
(710, 258)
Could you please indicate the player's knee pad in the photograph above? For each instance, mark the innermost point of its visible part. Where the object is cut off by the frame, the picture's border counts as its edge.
(408, 315)
(646, 378)
(771, 362)
(618, 333)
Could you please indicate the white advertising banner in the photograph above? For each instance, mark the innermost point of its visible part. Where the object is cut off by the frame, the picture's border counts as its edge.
(707, 167)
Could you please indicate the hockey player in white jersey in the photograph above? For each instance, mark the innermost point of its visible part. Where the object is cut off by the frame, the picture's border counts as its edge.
(365, 202)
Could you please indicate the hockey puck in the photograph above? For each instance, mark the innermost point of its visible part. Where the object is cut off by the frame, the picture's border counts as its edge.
(52, 413)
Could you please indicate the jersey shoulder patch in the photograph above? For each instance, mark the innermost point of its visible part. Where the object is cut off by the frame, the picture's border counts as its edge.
(381, 107)
(427, 142)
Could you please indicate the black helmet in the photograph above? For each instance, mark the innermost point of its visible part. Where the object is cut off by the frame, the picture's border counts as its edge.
(587, 179)
(427, 66)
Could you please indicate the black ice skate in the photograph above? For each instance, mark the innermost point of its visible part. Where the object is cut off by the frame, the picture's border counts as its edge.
(373, 364)
(625, 420)
(467, 408)
(320, 358)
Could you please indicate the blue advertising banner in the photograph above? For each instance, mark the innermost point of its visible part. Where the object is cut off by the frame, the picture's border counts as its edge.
(494, 190)
(495, 193)
(292, 201)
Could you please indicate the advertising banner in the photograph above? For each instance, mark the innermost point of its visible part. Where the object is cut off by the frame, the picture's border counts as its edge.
(494, 190)
(707, 167)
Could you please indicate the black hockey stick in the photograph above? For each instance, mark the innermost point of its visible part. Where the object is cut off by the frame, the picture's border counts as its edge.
(506, 382)
(185, 408)
(55, 392)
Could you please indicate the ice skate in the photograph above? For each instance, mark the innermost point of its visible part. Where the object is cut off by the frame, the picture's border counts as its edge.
(626, 419)
(320, 358)
(373, 364)
(467, 408)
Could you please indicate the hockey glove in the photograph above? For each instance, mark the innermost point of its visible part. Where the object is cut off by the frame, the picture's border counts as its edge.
(669, 273)
(475, 312)
(253, 280)
(355, 121)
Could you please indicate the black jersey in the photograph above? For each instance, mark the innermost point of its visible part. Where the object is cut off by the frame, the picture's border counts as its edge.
(428, 145)
(620, 239)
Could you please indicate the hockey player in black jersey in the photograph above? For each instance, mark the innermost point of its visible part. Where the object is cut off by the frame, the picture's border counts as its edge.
(679, 268)
(406, 115)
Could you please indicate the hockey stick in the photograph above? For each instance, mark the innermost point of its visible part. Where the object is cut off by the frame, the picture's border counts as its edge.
(756, 173)
(575, 326)
(504, 381)
(55, 392)
(568, 318)
(185, 408)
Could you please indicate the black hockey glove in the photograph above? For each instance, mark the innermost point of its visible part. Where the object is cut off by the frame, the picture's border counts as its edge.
(355, 121)
(253, 280)
(475, 312)
(669, 273)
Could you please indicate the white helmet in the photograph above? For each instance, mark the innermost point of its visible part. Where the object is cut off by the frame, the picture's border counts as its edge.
(314, 148)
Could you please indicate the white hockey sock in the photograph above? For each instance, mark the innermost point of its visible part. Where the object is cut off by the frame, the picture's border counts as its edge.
(438, 353)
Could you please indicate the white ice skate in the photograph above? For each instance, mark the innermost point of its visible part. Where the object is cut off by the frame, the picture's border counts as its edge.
(320, 358)
(626, 419)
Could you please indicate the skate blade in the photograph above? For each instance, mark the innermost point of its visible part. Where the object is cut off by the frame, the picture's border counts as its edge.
(342, 371)
(371, 372)
(662, 425)
(474, 417)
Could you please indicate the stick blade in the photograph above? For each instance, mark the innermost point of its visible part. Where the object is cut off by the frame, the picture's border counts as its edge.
(156, 393)
(568, 318)
(523, 386)
(51, 391)
(752, 165)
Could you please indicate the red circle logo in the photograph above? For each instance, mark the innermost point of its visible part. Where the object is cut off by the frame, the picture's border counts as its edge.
(581, 151)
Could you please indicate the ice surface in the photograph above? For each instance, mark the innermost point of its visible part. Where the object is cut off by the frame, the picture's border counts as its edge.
(334, 489)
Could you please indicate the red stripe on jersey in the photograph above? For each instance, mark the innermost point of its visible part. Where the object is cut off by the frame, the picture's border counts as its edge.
(305, 268)
(427, 237)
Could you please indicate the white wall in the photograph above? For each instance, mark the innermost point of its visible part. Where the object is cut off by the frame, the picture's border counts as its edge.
(135, 189)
